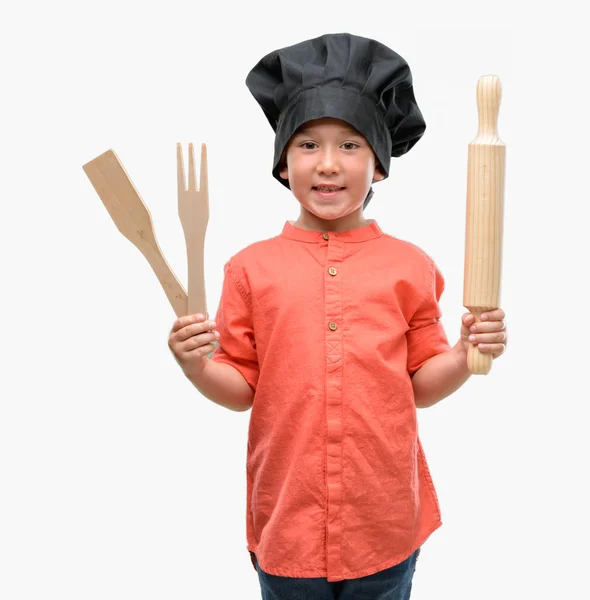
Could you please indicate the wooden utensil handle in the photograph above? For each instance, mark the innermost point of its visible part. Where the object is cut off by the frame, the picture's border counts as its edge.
(173, 289)
(478, 363)
(197, 297)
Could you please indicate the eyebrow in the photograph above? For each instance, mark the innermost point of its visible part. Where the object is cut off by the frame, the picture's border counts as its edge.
(344, 130)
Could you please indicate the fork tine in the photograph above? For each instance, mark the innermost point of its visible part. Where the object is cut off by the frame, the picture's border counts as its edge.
(203, 178)
(180, 169)
(192, 184)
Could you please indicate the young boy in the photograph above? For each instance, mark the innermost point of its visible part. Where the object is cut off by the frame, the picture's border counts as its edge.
(330, 332)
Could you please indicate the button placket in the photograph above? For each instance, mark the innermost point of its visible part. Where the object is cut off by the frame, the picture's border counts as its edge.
(334, 401)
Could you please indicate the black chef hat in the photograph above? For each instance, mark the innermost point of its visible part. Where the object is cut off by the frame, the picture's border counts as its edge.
(344, 76)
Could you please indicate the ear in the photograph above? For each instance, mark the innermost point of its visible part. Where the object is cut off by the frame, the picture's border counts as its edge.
(378, 175)
(284, 172)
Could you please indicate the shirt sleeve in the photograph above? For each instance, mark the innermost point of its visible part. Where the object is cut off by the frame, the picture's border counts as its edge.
(426, 336)
(236, 342)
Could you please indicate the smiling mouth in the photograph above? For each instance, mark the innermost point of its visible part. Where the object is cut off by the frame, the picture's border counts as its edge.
(326, 189)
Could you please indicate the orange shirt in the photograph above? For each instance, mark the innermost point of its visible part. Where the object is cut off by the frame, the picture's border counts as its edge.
(327, 328)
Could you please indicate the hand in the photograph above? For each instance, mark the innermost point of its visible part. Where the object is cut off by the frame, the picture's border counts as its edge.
(191, 340)
(490, 336)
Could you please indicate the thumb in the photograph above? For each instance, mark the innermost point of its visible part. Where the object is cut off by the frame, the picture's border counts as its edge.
(466, 322)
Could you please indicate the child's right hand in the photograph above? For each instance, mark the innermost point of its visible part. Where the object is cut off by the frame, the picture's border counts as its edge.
(190, 341)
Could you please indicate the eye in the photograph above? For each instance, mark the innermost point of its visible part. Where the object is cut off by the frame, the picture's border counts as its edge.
(307, 145)
(350, 145)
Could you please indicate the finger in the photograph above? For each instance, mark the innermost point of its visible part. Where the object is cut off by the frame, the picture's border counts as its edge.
(186, 320)
(493, 315)
(494, 349)
(487, 327)
(466, 322)
(488, 338)
(196, 343)
(195, 329)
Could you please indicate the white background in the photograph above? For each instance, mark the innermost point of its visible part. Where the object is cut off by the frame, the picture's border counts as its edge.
(117, 479)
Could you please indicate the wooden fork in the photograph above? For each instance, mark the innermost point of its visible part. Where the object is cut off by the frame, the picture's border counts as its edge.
(193, 210)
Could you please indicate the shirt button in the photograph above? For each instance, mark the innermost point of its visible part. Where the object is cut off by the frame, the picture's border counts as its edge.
(332, 271)
(333, 326)
(326, 236)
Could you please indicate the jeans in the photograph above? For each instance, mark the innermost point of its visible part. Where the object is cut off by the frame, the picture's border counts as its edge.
(394, 583)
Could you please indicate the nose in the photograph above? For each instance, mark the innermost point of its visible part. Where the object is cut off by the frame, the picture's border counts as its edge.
(328, 161)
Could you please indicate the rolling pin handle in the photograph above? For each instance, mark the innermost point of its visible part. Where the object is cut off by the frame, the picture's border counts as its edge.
(489, 95)
(478, 363)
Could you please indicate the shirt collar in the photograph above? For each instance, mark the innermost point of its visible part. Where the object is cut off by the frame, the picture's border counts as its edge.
(361, 234)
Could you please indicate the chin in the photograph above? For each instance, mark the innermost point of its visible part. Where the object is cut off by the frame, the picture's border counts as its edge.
(329, 215)
(330, 212)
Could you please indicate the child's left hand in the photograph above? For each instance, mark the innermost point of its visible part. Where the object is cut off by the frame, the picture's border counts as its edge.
(490, 335)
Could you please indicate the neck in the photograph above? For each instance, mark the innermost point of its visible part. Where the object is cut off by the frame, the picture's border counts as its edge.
(312, 222)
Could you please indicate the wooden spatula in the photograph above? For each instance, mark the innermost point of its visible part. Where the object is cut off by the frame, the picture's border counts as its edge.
(133, 219)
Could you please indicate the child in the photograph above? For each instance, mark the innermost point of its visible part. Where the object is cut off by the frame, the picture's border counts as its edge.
(330, 331)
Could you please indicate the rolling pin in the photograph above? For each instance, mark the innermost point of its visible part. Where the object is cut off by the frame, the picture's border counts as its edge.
(484, 216)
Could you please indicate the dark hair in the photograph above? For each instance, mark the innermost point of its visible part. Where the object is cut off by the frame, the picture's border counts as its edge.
(368, 198)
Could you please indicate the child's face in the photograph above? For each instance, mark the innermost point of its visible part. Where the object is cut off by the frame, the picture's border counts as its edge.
(330, 152)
